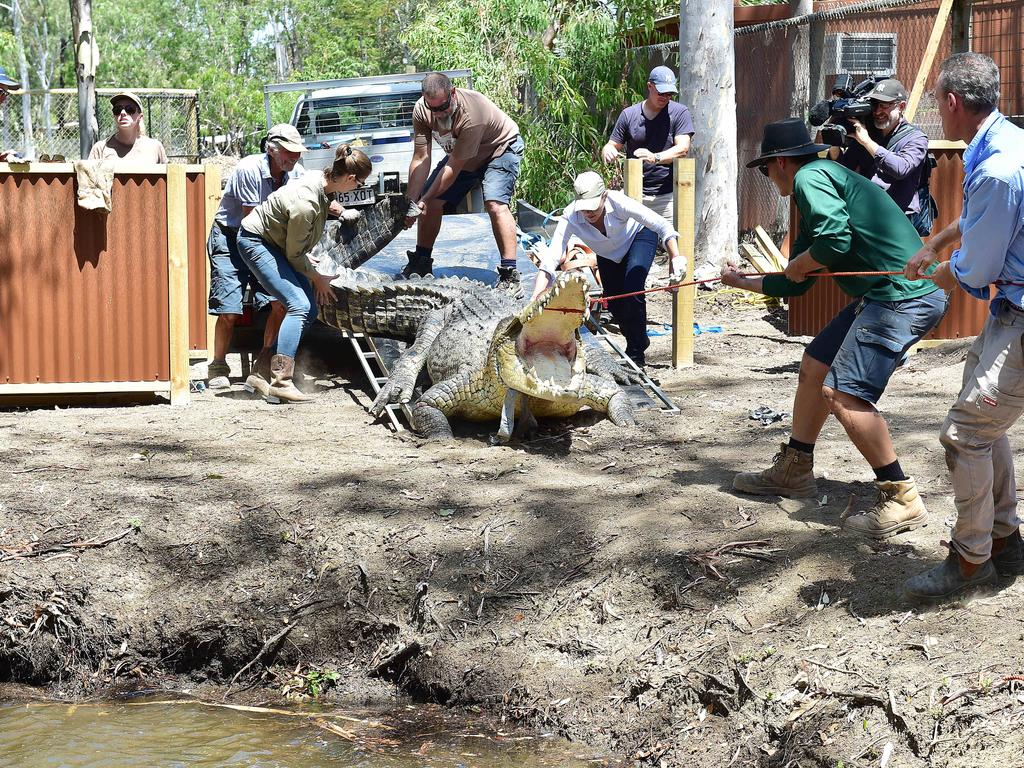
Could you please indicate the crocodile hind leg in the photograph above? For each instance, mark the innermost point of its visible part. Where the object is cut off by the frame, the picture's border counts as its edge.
(430, 413)
(402, 381)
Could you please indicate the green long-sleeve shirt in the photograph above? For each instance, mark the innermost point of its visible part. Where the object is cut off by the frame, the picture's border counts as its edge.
(851, 225)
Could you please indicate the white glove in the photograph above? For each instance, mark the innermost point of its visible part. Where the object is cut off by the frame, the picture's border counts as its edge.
(349, 215)
(414, 210)
(677, 272)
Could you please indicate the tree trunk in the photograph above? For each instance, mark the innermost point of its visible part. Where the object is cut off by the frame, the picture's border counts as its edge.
(707, 86)
(26, 100)
(800, 60)
(86, 59)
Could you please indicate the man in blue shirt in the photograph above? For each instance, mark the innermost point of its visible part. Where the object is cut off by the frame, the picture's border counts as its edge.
(250, 183)
(986, 541)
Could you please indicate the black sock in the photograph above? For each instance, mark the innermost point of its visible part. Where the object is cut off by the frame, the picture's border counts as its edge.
(891, 472)
(424, 251)
(508, 263)
(803, 447)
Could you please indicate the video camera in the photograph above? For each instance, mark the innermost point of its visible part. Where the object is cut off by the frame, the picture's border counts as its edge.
(850, 102)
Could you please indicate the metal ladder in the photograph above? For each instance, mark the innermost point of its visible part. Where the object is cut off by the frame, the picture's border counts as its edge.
(366, 350)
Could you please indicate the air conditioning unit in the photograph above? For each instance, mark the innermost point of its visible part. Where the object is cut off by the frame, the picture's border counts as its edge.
(861, 53)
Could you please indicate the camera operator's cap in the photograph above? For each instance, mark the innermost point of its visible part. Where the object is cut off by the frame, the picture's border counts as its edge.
(127, 95)
(664, 80)
(6, 81)
(286, 136)
(889, 89)
(786, 138)
(589, 188)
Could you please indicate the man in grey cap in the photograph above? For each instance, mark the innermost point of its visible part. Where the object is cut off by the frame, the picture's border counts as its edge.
(251, 182)
(128, 143)
(893, 154)
(6, 84)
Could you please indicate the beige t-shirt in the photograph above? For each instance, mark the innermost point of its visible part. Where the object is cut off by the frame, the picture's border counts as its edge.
(476, 133)
(144, 150)
(293, 219)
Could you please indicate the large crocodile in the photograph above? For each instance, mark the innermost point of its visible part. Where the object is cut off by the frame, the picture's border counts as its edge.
(487, 354)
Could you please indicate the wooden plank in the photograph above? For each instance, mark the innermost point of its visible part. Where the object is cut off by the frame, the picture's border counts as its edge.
(684, 215)
(759, 261)
(177, 283)
(768, 247)
(633, 180)
(121, 169)
(929, 56)
(211, 182)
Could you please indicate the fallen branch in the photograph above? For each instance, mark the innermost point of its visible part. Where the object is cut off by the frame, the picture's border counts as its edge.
(94, 543)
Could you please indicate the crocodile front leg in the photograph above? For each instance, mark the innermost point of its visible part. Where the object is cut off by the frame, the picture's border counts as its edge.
(607, 397)
(430, 413)
(402, 381)
(600, 363)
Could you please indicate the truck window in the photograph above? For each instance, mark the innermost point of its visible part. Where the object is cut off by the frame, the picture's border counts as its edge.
(356, 113)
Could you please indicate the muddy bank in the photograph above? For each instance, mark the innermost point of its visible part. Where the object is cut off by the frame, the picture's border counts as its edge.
(603, 583)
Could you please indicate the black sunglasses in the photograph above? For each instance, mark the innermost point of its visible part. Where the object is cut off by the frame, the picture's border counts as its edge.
(443, 107)
(131, 109)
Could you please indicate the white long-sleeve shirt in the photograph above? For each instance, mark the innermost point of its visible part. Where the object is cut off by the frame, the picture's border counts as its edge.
(623, 219)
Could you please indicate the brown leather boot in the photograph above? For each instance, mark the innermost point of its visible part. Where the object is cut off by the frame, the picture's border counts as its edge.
(897, 508)
(791, 474)
(282, 389)
(258, 382)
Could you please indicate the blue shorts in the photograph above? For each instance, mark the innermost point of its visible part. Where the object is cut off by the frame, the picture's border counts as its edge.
(498, 177)
(865, 343)
(229, 275)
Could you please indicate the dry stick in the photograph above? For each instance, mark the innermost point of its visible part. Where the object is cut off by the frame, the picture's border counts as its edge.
(68, 545)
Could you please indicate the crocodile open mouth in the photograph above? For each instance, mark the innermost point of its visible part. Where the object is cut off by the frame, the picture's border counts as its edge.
(539, 352)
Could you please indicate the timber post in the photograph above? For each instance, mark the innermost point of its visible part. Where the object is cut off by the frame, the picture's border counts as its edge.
(211, 186)
(177, 283)
(633, 179)
(684, 214)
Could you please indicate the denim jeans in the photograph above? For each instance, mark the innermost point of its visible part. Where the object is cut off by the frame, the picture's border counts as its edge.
(280, 279)
(229, 275)
(627, 276)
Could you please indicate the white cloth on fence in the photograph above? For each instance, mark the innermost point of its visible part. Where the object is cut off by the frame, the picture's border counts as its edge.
(95, 180)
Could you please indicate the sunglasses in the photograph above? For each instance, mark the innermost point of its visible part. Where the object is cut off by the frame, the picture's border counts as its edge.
(441, 108)
(131, 109)
(764, 168)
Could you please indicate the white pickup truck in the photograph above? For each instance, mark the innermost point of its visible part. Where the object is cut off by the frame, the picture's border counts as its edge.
(373, 114)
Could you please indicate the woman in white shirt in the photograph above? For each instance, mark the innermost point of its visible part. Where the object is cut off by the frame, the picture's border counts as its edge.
(625, 235)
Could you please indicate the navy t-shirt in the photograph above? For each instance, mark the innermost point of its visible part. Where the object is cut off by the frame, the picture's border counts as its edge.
(633, 130)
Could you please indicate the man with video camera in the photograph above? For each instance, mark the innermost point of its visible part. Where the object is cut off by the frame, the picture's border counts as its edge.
(891, 152)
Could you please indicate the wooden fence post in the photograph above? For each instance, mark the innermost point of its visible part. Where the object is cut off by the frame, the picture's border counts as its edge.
(211, 185)
(177, 283)
(685, 172)
(633, 179)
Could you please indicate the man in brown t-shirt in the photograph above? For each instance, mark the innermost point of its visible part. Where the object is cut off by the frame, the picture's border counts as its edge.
(482, 146)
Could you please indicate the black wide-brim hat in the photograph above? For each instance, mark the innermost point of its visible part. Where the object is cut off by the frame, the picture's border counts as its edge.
(786, 138)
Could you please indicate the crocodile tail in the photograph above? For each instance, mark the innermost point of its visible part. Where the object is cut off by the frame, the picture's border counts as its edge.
(349, 244)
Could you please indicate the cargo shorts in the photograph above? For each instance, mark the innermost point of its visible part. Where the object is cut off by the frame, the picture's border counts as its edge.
(497, 177)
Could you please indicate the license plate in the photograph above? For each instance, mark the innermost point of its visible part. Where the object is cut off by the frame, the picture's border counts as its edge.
(361, 196)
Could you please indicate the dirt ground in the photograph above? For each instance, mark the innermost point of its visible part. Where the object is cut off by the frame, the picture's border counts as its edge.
(604, 583)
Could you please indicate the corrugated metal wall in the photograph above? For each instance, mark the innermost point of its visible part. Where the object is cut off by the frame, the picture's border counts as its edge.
(809, 313)
(83, 294)
(195, 192)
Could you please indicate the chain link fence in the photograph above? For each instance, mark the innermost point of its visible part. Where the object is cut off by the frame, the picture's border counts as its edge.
(171, 116)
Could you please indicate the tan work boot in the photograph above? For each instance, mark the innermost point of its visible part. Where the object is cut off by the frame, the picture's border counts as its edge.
(282, 389)
(258, 381)
(897, 508)
(791, 474)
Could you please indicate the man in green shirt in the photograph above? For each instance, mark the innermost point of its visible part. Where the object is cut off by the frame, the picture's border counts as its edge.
(847, 224)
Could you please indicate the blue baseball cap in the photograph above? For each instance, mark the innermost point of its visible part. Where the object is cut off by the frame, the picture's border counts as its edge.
(664, 80)
(6, 81)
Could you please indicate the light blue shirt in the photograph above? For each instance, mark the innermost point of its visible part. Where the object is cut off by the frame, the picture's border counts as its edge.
(249, 185)
(624, 217)
(992, 219)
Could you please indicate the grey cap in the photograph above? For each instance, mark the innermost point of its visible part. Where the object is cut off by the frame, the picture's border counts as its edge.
(589, 188)
(6, 81)
(286, 136)
(127, 95)
(889, 89)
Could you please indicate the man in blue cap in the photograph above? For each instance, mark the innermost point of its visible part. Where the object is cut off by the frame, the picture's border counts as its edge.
(6, 84)
(657, 131)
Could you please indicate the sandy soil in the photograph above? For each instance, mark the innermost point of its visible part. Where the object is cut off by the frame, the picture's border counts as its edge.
(605, 583)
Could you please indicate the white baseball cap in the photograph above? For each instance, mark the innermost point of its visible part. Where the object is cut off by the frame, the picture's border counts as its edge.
(590, 189)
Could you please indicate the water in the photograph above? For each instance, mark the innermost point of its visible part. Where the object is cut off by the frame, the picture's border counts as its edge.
(188, 734)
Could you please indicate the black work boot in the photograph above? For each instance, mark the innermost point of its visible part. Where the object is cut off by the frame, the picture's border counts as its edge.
(418, 265)
(953, 576)
(1008, 555)
(509, 280)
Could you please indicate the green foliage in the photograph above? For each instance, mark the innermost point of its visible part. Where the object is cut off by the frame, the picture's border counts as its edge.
(560, 69)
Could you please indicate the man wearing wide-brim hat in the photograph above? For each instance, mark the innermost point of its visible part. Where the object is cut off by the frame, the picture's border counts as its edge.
(846, 224)
(6, 84)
